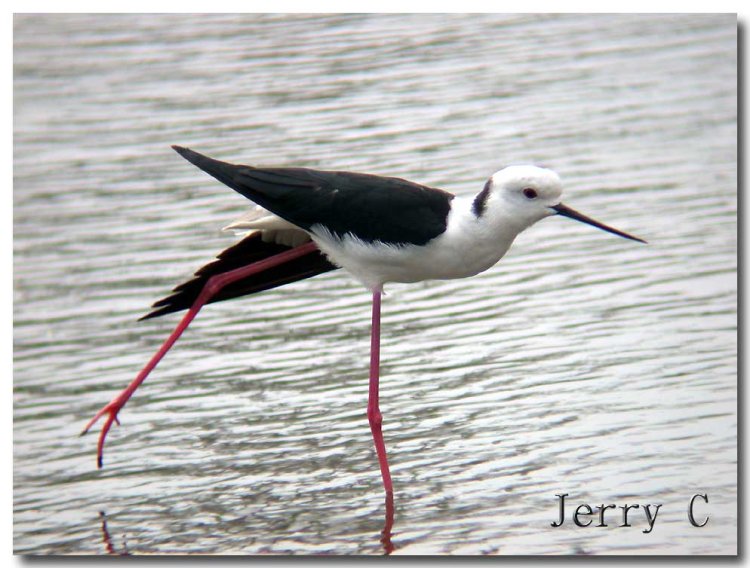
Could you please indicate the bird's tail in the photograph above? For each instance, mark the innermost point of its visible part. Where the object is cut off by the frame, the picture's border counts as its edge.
(249, 250)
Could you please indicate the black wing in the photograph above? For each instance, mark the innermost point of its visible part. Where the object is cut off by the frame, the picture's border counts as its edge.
(248, 250)
(372, 208)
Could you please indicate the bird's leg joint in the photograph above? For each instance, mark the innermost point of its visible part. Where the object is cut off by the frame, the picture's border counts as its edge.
(374, 417)
(213, 285)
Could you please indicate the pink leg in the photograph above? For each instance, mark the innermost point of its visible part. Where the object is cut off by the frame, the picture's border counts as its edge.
(211, 288)
(373, 409)
(385, 535)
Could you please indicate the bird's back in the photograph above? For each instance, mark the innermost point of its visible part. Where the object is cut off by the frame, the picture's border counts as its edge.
(370, 207)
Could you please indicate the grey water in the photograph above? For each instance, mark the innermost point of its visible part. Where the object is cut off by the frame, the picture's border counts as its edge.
(581, 364)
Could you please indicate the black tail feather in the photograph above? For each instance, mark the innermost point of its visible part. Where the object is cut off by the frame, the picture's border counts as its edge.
(249, 250)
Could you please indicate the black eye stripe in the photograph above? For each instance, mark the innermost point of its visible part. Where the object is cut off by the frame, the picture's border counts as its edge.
(530, 193)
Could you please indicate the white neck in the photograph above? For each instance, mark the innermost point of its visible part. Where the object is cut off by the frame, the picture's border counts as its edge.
(470, 244)
(479, 240)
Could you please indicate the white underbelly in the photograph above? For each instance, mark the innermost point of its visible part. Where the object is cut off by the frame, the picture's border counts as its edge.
(375, 264)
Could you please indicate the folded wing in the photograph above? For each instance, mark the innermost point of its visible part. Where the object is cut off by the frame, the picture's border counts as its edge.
(370, 207)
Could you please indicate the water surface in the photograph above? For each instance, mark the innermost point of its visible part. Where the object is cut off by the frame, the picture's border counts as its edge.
(581, 364)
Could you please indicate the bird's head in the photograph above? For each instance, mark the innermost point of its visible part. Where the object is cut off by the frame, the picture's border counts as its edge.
(527, 194)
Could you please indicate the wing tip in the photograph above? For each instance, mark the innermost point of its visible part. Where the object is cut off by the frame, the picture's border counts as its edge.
(164, 307)
(150, 315)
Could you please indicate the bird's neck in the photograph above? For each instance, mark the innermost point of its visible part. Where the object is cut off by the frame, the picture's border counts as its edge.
(479, 239)
(494, 223)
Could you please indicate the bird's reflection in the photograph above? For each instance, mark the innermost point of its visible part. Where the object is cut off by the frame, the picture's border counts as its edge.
(107, 539)
(385, 537)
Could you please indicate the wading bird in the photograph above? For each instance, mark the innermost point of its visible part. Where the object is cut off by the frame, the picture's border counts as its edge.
(380, 229)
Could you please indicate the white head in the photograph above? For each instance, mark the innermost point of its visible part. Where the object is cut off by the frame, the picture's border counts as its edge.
(522, 195)
(525, 193)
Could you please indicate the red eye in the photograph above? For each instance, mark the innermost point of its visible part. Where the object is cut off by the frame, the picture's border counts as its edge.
(529, 193)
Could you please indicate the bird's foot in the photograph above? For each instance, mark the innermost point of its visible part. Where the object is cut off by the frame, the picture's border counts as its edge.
(111, 409)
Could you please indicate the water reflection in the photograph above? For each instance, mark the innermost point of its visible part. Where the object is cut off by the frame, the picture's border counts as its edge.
(385, 541)
(107, 538)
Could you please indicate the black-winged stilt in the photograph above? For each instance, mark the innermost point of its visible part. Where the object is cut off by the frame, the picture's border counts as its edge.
(380, 229)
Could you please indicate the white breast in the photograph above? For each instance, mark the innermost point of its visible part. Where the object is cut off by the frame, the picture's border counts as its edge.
(468, 246)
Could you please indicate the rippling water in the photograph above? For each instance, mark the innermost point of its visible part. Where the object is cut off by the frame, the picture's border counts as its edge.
(581, 364)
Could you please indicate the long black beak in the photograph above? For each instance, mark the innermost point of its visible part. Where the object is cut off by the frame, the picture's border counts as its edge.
(566, 211)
